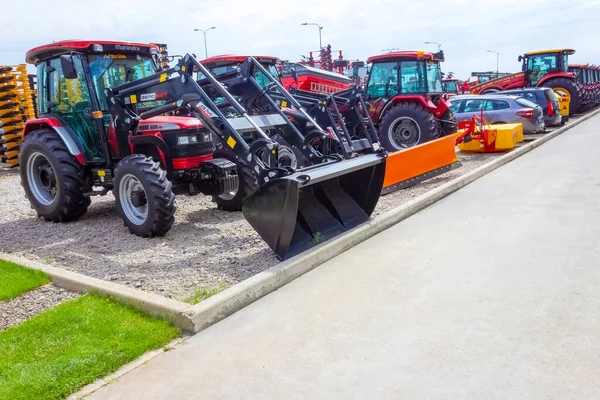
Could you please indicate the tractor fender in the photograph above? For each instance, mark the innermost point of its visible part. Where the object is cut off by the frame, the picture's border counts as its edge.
(161, 146)
(427, 104)
(568, 75)
(62, 131)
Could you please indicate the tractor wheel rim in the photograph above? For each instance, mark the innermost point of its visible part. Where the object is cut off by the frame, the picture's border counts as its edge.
(404, 132)
(41, 178)
(133, 199)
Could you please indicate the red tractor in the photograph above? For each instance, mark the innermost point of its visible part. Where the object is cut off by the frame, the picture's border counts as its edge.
(452, 86)
(547, 68)
(406, 98)
(100, 128)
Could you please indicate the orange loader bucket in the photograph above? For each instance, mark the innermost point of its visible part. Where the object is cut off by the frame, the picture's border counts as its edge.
(408, 167)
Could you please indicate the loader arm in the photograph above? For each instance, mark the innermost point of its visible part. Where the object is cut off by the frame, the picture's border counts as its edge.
(179, 90)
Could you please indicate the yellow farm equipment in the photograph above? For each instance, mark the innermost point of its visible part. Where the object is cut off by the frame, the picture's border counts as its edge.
(477, 136)
(564, 101)
(16, 106)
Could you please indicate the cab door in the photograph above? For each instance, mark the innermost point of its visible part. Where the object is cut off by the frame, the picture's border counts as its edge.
(69, 101)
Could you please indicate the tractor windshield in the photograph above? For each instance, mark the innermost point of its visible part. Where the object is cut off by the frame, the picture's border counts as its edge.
(112, 70)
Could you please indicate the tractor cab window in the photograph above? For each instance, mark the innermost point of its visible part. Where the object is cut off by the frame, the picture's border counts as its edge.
(112, 70)
(383, 80)
(69, 99)
(261, 79)
(413, 77)
(434, 77)
(539, 65)
(450, 87)
(565, 62)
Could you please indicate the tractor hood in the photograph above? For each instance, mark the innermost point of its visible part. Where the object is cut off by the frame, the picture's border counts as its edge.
(166, 123)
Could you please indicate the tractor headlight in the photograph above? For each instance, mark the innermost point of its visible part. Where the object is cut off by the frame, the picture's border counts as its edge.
(184, 140)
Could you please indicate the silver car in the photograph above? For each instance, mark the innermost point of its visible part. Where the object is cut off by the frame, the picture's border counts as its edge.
(498, 109)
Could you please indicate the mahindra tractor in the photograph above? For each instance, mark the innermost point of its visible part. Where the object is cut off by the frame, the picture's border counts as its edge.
(102, 127)
(547, 68)
(406, 98)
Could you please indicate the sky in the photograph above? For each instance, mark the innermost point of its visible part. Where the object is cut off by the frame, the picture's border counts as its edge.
(466, 29)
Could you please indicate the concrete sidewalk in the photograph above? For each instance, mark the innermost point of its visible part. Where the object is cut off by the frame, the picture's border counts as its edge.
(492, 293)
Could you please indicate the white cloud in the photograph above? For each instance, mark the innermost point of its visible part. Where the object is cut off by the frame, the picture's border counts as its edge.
(466, 28)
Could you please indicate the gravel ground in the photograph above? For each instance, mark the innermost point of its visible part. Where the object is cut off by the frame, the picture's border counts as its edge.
(206, 247)
(17, 310)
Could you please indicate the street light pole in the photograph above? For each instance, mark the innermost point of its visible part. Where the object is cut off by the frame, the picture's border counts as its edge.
(438, 45)
(204, 33)
(497, 62)
(320, 28)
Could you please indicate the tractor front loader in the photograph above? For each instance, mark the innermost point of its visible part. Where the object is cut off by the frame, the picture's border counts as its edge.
(292, 209)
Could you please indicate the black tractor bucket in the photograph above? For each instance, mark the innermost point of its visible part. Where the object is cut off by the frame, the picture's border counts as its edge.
(299, 211)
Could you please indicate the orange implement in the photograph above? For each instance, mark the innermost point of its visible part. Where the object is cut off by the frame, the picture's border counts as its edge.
(408, 167)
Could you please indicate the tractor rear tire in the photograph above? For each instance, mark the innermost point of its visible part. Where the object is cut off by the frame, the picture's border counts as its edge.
(144, 196)
(232, 201)
(574, 88)
(54, 181)
(448, 123)
(407, 125)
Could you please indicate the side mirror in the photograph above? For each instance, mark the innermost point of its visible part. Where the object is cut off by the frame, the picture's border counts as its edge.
(520, 58)
(294, 74)
(68, 67)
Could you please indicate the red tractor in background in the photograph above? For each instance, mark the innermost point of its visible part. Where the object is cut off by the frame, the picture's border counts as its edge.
(547, 68)
(452, 86)
(406, 98)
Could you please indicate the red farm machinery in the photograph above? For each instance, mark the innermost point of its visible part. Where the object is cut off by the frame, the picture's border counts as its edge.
(547, 68)
(101, 126)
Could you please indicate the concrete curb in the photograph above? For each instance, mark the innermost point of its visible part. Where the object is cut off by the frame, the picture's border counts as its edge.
(200, 316)
(153, 304)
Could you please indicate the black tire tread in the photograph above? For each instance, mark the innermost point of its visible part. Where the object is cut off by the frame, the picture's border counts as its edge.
(426, 120)
(76, 180)
(162, 216)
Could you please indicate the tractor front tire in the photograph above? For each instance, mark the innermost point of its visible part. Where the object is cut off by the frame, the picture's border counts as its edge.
(448, 123)
(54, 181)
(407, 125)
(575, 89)
(144, 196)
(247, 183)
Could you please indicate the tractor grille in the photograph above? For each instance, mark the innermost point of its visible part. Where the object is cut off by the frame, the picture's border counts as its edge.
(202, 147)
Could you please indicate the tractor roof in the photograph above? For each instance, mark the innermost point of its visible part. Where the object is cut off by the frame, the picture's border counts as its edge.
(532, 53)
(55, 49)
(406, 55)
(225, 59)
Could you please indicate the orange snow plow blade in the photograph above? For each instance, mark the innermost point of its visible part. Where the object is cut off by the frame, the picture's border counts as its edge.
(408, 167)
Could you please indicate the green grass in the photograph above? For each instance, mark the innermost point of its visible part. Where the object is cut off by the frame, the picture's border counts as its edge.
(202, 293)
(60, 350)
(15, 279)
